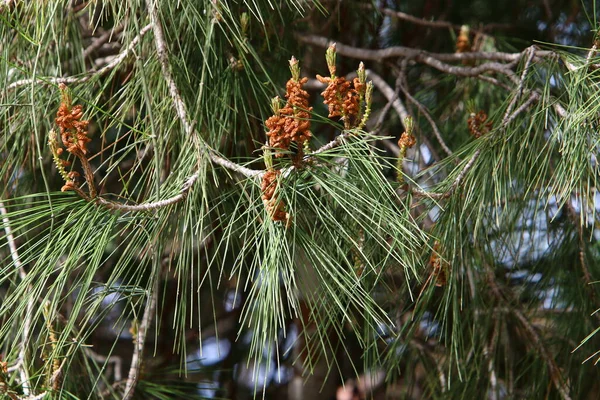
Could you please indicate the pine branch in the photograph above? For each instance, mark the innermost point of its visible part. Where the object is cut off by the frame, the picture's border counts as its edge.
(77, 80)
(102, 39)
(455, 184)
(21, 364)
(180, 108)
(435, 60)
(111, 205)
(140, 338)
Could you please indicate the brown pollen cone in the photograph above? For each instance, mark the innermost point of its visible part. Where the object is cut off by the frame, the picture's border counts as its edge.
(275, 207)
(73, 130)
(292, 123)
(478, 124)
(342, 98)
(440, 267)
(406, 140)
(463, 44)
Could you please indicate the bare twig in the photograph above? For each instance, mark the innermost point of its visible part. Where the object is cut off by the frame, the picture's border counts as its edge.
(74, 79)
(587, 276)
(423, 110)
(140, 340)
(530, 51)
(435, 60)
(111, 205)
(418, 21)
(386, 109)
(428, 22)
(388, 92)
(455, 184)
(100, 40)
(591, 53)
(488, 354)
(532, 99)
(116, 360)
(554, 371)
(555, 374)
(21, 365)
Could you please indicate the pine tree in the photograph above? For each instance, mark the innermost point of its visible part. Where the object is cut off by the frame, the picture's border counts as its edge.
(395, 197)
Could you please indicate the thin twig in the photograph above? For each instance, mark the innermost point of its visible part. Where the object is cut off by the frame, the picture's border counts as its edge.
(116, 360)
(111, 205)
(488, 354)
(423, 110)
(587, 276)
(386, 109)
(554, 371)
(435, 60)
(21, 363)
(74, 79)
(530, 51)
(532, 99)
(455, 184)
(388, 92)
(140, 340)
(555, 374)
(428, 22)
(415, 20)
(100, 40)
(591, 53)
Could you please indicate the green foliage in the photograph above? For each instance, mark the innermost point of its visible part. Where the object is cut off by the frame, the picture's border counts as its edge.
(469, 275)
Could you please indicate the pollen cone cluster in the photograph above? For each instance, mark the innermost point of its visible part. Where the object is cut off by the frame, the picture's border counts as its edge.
(478, 124)
(440, 267)
(463, 44)
(342, 97)
(406, 141)
(74, 137)
(73, 129)
(291, 124)
(274, 206)
(345, 98)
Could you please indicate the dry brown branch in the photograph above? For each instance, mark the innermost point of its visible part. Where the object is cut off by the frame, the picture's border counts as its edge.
(100, 40)
(435, 60)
